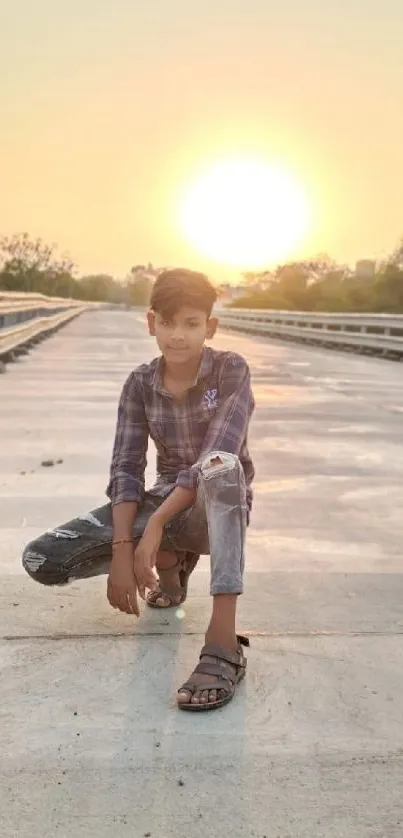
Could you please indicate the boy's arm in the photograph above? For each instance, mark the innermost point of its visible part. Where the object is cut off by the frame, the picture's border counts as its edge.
(229, 425)
(129, 459)
(176, 502)
(126, 490)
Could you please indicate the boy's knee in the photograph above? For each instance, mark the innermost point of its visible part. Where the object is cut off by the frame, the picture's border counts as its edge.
(39, 568)
(219, 462)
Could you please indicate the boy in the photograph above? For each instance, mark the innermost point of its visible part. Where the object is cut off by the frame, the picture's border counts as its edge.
(196, 404)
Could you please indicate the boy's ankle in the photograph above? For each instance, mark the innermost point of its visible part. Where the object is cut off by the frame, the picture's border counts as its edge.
(218, 637)
(166, 561)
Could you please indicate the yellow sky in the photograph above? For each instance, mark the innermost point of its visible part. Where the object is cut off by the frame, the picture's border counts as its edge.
(107, 112)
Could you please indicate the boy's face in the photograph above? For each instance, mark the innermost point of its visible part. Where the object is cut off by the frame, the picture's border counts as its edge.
(181, 337)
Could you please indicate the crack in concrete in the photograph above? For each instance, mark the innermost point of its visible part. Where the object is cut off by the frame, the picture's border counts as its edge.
(251, 634)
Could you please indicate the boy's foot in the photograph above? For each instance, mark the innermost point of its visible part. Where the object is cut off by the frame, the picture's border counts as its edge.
(169, 591)
(172, 587)
(213, 682)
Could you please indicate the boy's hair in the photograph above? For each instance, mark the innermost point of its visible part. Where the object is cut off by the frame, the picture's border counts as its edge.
(181, 287)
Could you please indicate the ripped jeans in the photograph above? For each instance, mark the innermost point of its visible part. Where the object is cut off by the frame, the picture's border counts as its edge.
(215, 525)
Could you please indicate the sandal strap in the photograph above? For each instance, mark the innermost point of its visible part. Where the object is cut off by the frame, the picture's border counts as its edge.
(172, 591)
(218, 669)
(234, 658)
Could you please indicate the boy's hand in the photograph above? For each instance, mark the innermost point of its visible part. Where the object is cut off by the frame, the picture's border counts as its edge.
(145, 556)
(122, 586)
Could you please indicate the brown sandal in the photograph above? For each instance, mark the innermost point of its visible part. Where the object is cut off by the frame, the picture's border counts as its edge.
(174, 595)
(227, 679)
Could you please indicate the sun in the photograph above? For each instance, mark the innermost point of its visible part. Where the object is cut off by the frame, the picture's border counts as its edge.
(244, 213)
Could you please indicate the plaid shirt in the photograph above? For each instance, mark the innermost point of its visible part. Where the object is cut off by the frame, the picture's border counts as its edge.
(212, 416)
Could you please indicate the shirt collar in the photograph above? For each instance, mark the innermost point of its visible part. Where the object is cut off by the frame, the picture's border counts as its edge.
(205, 369)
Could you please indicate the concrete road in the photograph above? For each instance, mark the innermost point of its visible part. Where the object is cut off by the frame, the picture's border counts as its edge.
(312, 747)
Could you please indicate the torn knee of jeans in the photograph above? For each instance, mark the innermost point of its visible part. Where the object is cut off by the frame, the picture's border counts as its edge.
(218, 462)
(215, 461)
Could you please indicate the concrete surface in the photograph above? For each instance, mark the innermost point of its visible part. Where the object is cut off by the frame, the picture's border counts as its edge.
(91, 742)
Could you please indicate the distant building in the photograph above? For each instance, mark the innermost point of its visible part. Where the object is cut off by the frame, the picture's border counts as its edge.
(365, 269)
(229, 293)
(265, 280)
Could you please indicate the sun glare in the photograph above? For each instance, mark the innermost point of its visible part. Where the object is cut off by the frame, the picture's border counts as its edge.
(244, 214)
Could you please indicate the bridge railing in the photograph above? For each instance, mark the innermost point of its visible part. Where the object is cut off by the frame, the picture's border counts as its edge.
(25, 319)
(17, 308)
(380, 334)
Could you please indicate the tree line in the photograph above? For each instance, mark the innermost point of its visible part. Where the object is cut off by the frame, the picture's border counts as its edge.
(31, 265)
(28, 264)
(326, 286)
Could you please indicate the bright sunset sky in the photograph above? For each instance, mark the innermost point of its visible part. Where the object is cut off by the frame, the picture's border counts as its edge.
(110, 109)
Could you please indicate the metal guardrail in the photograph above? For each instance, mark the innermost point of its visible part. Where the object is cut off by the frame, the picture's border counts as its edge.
(25, 319)
(16, 308)
(378, 334)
